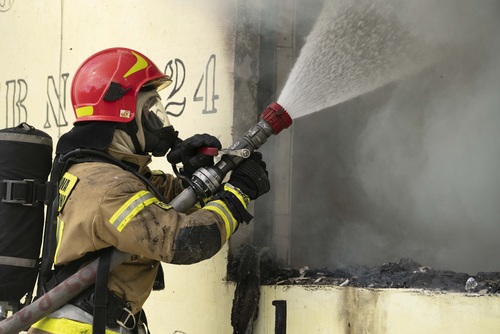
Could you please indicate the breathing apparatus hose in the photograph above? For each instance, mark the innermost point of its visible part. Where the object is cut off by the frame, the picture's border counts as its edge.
(205, 183)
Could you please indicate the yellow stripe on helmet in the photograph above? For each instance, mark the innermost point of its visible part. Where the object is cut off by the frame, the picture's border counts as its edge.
(140, 64)
(84, 111)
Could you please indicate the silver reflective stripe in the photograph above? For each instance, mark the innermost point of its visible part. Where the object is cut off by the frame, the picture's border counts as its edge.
(128, 210)
(26, 138)
(228, 215)
(17, 262)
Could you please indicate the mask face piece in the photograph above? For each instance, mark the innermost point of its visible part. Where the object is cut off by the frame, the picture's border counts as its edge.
(153, 111)
(158, 142)
(159, 135)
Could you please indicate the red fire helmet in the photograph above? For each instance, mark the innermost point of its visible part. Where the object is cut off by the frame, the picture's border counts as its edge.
(106, 85)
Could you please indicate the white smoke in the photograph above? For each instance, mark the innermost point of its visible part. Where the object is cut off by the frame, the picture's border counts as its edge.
(411, 169)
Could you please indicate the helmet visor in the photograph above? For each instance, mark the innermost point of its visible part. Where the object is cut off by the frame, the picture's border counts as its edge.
(158, 84)
(154, 115)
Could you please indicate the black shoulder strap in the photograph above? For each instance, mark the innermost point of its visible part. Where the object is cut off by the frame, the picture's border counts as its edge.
(101, 294)
(61, 273)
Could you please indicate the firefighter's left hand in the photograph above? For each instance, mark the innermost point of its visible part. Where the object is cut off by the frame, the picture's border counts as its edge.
(251, 176)
(187, 152)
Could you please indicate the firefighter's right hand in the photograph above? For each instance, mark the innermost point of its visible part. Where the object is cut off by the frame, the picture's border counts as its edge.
(186, 152)
(251, 177)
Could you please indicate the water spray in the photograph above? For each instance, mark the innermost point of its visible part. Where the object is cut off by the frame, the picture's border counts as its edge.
(205, 183)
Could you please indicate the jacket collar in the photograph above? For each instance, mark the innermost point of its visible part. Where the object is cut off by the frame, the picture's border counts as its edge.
(140, 162)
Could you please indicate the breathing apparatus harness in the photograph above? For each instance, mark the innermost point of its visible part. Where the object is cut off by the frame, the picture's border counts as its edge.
(107, 309)
(26, 162)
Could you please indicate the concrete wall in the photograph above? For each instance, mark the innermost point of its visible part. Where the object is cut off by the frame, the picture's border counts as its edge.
(43, 43)
(328, 310)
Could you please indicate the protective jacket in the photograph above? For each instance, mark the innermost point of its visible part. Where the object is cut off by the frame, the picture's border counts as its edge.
(102, 205)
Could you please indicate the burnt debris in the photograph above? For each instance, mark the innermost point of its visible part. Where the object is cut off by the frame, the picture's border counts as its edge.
(247, 275)
(407, 273)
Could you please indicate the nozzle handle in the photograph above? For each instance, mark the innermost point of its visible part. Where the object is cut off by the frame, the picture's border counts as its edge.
(210, 151)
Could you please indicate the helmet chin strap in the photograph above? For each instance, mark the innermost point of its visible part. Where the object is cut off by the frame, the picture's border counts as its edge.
(132, 129)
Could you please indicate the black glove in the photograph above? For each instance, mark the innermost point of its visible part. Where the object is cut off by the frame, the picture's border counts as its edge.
(251, 176)
(187, 152)
(236, 201)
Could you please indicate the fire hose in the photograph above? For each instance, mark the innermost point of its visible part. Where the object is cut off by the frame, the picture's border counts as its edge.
(205, 183)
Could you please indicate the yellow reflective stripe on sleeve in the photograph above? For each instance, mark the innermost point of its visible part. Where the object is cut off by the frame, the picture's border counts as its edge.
(244, 199)
(130, 209)
(220, 208)
(66, 326)
(162, 205)
(59, 232)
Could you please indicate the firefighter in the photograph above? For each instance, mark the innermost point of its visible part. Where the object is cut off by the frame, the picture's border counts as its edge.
(118, 111)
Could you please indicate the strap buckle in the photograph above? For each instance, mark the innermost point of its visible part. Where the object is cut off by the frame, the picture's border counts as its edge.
(27, 199)
(28, 192)
(124, 323)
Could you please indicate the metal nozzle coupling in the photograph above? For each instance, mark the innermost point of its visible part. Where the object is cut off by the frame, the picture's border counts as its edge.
(206, 181)
(277, 117)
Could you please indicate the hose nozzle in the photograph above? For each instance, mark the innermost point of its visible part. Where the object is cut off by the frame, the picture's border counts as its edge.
(206, 181)
(277, 117)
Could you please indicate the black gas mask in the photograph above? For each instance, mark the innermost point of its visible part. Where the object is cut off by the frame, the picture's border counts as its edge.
(159, 135)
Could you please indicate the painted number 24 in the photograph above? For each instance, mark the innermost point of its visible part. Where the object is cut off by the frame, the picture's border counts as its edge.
(205, 91)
